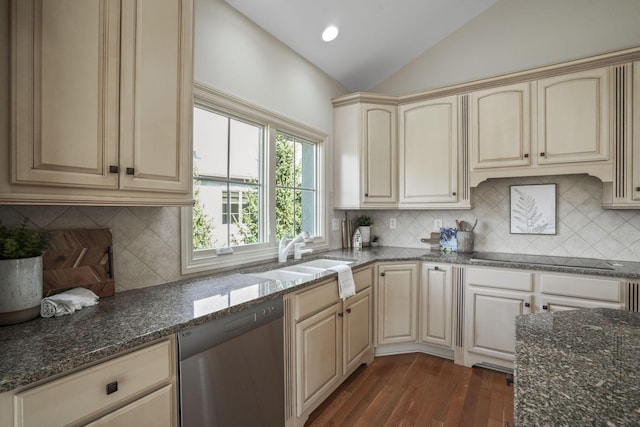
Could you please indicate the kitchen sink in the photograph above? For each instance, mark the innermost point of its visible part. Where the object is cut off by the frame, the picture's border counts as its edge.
(323, 263)
(305, 271)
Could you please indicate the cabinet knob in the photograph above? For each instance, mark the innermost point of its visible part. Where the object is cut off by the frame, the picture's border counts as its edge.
(542, 154)
(340, 314)
(436, 268)
(382, 274)
(545, 307)
(112, 387)
(526, 155)
(131, 171)
(637, 188)
(526, 304)
(348, 310)
(366, 194)
(114, 169)
(453, 194)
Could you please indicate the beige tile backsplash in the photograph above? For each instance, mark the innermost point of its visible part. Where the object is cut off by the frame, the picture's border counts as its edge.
(146, 240)
(584, 229)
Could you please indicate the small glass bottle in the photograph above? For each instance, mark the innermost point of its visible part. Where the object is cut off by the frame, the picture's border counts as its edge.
(357, 239)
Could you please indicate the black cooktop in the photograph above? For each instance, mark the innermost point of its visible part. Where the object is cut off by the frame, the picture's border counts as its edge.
(555, 261)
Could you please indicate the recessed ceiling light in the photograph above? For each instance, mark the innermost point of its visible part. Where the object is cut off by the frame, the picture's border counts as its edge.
(330, 33)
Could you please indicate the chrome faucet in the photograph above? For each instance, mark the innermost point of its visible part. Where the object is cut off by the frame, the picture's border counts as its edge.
(297, 242)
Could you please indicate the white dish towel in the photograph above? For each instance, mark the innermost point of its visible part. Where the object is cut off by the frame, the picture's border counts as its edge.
(346, 285)
(67, 302)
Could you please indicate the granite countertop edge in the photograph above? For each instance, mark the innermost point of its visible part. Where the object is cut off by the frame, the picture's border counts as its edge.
(42, 349)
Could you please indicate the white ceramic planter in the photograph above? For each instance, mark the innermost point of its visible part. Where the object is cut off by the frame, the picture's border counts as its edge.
(20, 289)
(365, 230)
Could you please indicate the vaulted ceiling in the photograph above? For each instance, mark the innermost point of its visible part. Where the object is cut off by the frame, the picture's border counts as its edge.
(377, 37)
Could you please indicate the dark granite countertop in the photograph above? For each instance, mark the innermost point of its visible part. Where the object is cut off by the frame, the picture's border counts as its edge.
(578, 368)
(42, 348)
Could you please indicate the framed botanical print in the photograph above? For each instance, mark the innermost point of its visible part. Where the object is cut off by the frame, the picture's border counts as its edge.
(533, 209)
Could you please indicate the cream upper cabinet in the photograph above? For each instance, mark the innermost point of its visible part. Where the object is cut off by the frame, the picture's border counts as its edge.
(429, 152)
(101, 102)
(623, 192)
(573, 117)
(397, 303)
(436, 297)
(552, 126)
(365, 152)
(500, 120)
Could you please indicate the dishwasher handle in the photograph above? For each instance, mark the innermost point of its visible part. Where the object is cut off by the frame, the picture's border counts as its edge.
(210, 334)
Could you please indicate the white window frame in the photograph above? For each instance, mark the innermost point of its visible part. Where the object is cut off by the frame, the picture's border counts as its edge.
(207, 260)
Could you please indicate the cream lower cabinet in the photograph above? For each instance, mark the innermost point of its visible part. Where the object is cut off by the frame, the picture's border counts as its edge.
(493, 299)
(365, 152)
(436, 298)
(101, 113)
(137, 388)
(561, 292)
(397, 303)
(326, 339)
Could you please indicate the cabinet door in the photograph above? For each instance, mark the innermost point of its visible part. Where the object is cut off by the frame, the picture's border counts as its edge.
(318, 355)
(156, 88)
(635, 191)
(379, 154)
(573, 117)
(490, 325)
(358, 328)
(435, 305)
(153, 410)
(397, 303)
(552, 304)
(500, 126)
(429, 151)
(65, 92)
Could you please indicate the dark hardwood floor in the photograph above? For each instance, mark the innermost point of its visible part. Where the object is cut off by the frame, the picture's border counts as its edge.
(418, 390)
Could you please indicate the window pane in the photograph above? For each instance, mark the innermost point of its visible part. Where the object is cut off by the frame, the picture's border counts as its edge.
(209, 229)
(308, 211)
(307, 165)
(284, 161)
(244, 160)
(244, 228)
(287, 213)
(210, 132)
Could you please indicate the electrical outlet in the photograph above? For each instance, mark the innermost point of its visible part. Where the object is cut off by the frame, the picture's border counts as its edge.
(392, 223)
(437, 224)
(335, 224)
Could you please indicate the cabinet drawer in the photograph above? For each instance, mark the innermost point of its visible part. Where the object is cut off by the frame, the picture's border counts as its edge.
(82, 394)
(153, 410)
(581, 287)
(502, 279)
(315, 299)
(363, 278)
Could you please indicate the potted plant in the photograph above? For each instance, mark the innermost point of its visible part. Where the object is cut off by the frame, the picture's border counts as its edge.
(364, 223)
(21, 251)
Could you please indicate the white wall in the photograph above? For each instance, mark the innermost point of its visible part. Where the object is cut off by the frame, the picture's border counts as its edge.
(515, 35)
(235, 56)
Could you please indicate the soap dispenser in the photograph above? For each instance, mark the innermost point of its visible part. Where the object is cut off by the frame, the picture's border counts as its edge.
(357, 239)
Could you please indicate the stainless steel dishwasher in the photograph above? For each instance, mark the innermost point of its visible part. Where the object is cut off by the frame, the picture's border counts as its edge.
(231, 370)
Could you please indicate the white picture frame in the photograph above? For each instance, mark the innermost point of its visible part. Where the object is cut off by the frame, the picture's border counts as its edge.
(533, 209)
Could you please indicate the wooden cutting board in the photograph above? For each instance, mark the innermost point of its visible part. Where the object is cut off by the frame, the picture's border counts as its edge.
(79, 258)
